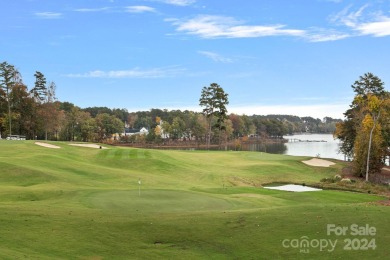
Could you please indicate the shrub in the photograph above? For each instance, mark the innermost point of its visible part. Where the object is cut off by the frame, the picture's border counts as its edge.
(337, 177)
(328, 180)
(346, 180)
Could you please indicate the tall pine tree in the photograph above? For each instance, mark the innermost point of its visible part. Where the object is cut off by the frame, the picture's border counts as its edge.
(9, 76)
(214, 100)
(40, 90)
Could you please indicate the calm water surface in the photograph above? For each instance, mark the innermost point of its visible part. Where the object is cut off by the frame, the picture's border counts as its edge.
(322, 145)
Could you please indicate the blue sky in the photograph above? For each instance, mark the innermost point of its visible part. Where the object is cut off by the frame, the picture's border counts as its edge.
(271, 56)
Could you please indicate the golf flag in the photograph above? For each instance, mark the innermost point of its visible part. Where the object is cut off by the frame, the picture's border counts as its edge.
(139, 187)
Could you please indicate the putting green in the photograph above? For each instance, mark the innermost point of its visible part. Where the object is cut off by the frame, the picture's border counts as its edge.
(81, 203)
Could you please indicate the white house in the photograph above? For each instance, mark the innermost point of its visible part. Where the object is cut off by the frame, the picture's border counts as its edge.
(129, 132)
(143, 131)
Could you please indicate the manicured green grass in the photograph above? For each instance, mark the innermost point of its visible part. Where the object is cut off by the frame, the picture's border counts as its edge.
(83, 203)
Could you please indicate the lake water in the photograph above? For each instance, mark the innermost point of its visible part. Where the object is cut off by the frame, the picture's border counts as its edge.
(314, 145)
(322, 145)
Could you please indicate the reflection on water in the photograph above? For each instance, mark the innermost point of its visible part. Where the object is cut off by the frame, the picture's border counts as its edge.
(322, 145)
(314, 145)
(279, 148)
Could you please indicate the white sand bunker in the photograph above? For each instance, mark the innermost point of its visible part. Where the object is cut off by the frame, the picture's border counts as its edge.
(293, 187)
(47, 145)
(90, 146)
(319, 162)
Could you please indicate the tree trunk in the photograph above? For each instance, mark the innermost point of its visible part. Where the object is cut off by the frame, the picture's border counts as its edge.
(369, 151)
(209, 134)
(9, 115)
(369, 145)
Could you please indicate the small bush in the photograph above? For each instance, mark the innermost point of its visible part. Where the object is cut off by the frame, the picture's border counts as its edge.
(328, 180)
(346, 180)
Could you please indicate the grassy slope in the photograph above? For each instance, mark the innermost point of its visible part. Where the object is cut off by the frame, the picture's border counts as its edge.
(84, 203)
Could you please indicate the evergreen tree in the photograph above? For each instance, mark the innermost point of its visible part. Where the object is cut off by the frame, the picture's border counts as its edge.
(40, 90)
(214, 100)
(368, 84)
(9, 76)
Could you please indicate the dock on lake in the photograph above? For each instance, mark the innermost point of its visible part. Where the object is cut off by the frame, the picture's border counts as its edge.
(306, 141)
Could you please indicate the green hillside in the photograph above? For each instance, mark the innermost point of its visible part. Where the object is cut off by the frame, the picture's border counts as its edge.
(84, 203)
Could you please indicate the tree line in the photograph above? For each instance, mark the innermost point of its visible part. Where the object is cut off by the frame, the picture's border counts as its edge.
(365, 132)
(37, 114)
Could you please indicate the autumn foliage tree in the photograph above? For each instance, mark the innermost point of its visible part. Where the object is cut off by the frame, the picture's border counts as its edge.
(48, 110)
(369, 142)
(107, 125)
(363, 132)
(37, 114)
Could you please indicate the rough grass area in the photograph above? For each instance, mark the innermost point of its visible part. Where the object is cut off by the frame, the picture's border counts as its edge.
(83, 203)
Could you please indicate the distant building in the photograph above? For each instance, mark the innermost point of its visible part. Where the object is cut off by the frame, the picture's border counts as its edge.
(130, 131)
(133, 131)
(143, 131)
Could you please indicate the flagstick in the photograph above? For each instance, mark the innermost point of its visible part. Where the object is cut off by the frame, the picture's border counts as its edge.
(139, 187)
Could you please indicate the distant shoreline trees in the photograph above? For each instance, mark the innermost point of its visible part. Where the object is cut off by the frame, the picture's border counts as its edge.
(37, 114)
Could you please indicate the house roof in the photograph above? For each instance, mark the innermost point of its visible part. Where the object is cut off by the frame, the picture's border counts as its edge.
(131, 130)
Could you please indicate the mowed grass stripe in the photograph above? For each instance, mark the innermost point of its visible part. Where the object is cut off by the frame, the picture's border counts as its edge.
(84, 203)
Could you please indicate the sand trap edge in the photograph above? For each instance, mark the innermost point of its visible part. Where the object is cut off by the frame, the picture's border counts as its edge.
(318, 162)
(293, 187)
(96, 146)
(47, 145)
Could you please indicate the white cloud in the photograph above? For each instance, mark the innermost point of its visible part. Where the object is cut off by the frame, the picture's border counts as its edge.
(48, 15)
(347, 17)
(359, 23)
(374, 24)
(102, 9)
(179, 2)
(139, 9)
(334, 1)
(321, 35)
(215, 57)
(132, 73)
(129, 9)
(209, 26)
(378, 28)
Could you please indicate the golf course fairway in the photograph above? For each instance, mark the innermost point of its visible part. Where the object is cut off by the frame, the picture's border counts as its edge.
(124, 203)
